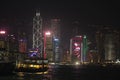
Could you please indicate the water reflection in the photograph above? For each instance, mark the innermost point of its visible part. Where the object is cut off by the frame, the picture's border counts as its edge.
(70, 73)
(26, 76)
(32, 76)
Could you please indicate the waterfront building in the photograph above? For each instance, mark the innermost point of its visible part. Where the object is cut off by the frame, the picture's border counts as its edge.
(8, 46)
(38, 34)
(76, 49)
(108, 41)
(22, 43)
(48, 45)
(55, 27)
(79, 49)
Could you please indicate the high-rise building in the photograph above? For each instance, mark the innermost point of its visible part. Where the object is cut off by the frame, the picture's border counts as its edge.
(55, 27)
(8, 46)
(76, 49)
(108, 41)
(37, 33)
(22, 45)
(85, 48)
(48, 46)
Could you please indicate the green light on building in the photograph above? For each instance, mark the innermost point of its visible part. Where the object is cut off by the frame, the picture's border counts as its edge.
(85, 48)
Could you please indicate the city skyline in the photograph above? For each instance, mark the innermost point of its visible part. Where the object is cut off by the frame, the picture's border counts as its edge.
(76, 17)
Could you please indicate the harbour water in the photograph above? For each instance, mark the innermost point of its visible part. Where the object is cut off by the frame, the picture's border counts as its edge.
(70, 73)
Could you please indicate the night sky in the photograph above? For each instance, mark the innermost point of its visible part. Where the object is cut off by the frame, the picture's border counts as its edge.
(74, 14)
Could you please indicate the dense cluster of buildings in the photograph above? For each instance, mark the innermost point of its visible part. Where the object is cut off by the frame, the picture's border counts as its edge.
(47, 43)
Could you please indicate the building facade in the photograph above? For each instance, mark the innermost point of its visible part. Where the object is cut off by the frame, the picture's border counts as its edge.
(55, 28)
(38, 34)
(108, 42)
(76, 46)
(48, 46)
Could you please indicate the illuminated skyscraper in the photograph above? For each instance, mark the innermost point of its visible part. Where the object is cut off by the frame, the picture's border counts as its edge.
(48, 45)
(85, 48)
(37, 33)
(8, 46)
(55, 27)
(22, 44)
(79, 48)
(76, 49)
(108, 44)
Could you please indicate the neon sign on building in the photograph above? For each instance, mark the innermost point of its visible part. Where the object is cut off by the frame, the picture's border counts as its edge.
(76, 43)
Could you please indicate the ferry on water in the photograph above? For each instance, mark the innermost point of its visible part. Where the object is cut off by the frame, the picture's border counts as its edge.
(32, 65)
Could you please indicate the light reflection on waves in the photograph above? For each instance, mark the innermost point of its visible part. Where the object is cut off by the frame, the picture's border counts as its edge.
(37, 73)
(65, 73)
(33, 76)
(87, 73)
(69, 73)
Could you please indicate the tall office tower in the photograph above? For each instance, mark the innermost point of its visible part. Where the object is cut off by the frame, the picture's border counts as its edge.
(37, 33)
(109, 47)
(76, 46)
(117, 43)
(4, 47)
(8, 46)
(85, 48)
(22, 43)
(107, 44)
(48, 45)
(55, 27)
